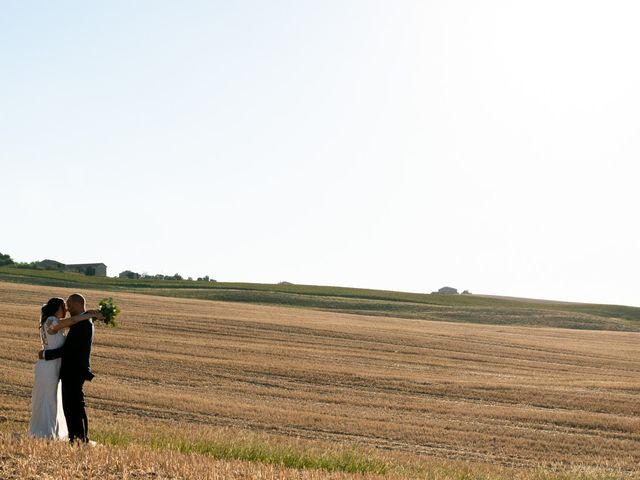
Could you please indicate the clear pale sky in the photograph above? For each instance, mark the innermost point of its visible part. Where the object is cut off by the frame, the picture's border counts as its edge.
(403, 145)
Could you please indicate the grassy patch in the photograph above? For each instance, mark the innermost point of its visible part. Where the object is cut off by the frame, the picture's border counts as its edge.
(255, 450)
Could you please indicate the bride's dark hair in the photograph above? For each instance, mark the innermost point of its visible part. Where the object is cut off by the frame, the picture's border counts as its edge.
(50, 308)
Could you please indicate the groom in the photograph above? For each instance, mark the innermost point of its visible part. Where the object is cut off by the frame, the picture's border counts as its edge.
(75, 369)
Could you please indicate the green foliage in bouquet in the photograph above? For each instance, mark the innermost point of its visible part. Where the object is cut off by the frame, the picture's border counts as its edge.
(109, 310)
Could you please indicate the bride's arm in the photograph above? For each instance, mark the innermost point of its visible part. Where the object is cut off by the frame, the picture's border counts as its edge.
(67, 322)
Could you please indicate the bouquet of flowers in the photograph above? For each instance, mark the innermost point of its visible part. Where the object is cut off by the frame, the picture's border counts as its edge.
(109, 310)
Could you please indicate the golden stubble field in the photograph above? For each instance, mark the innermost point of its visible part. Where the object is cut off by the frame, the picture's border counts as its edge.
(411, 391)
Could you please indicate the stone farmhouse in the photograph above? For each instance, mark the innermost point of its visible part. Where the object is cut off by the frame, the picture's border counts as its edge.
(94, 269)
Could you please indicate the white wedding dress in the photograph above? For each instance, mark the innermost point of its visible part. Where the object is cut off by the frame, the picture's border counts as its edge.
(47, 416)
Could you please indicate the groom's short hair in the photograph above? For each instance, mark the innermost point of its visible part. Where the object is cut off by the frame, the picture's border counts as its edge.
(76, 298)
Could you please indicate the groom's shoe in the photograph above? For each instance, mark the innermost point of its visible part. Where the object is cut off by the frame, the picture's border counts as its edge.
(77, 441)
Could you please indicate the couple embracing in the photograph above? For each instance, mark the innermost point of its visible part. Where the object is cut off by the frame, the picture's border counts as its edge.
(57, 403)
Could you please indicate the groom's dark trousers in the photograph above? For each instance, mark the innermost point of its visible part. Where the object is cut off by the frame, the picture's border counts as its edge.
(74, 371)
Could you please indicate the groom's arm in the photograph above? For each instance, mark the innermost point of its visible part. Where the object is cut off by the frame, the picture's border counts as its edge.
(76, 348)
(59, 352)
(53, 353)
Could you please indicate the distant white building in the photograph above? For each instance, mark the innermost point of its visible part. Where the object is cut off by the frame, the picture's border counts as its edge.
(447, 291)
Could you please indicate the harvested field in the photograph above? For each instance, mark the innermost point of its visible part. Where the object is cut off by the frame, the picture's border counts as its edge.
(405, 391)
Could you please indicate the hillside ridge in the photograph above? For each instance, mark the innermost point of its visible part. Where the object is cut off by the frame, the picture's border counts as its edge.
(484, 309)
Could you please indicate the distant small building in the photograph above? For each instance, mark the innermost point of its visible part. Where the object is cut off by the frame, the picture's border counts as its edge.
(129, 274)
(447, 291)
(50, 265)
(93, 269)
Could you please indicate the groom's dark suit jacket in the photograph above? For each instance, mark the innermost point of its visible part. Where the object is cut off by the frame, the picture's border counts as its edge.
(75, 352)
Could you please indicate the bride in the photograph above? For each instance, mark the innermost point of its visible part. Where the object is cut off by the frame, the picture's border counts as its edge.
(47, 417)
